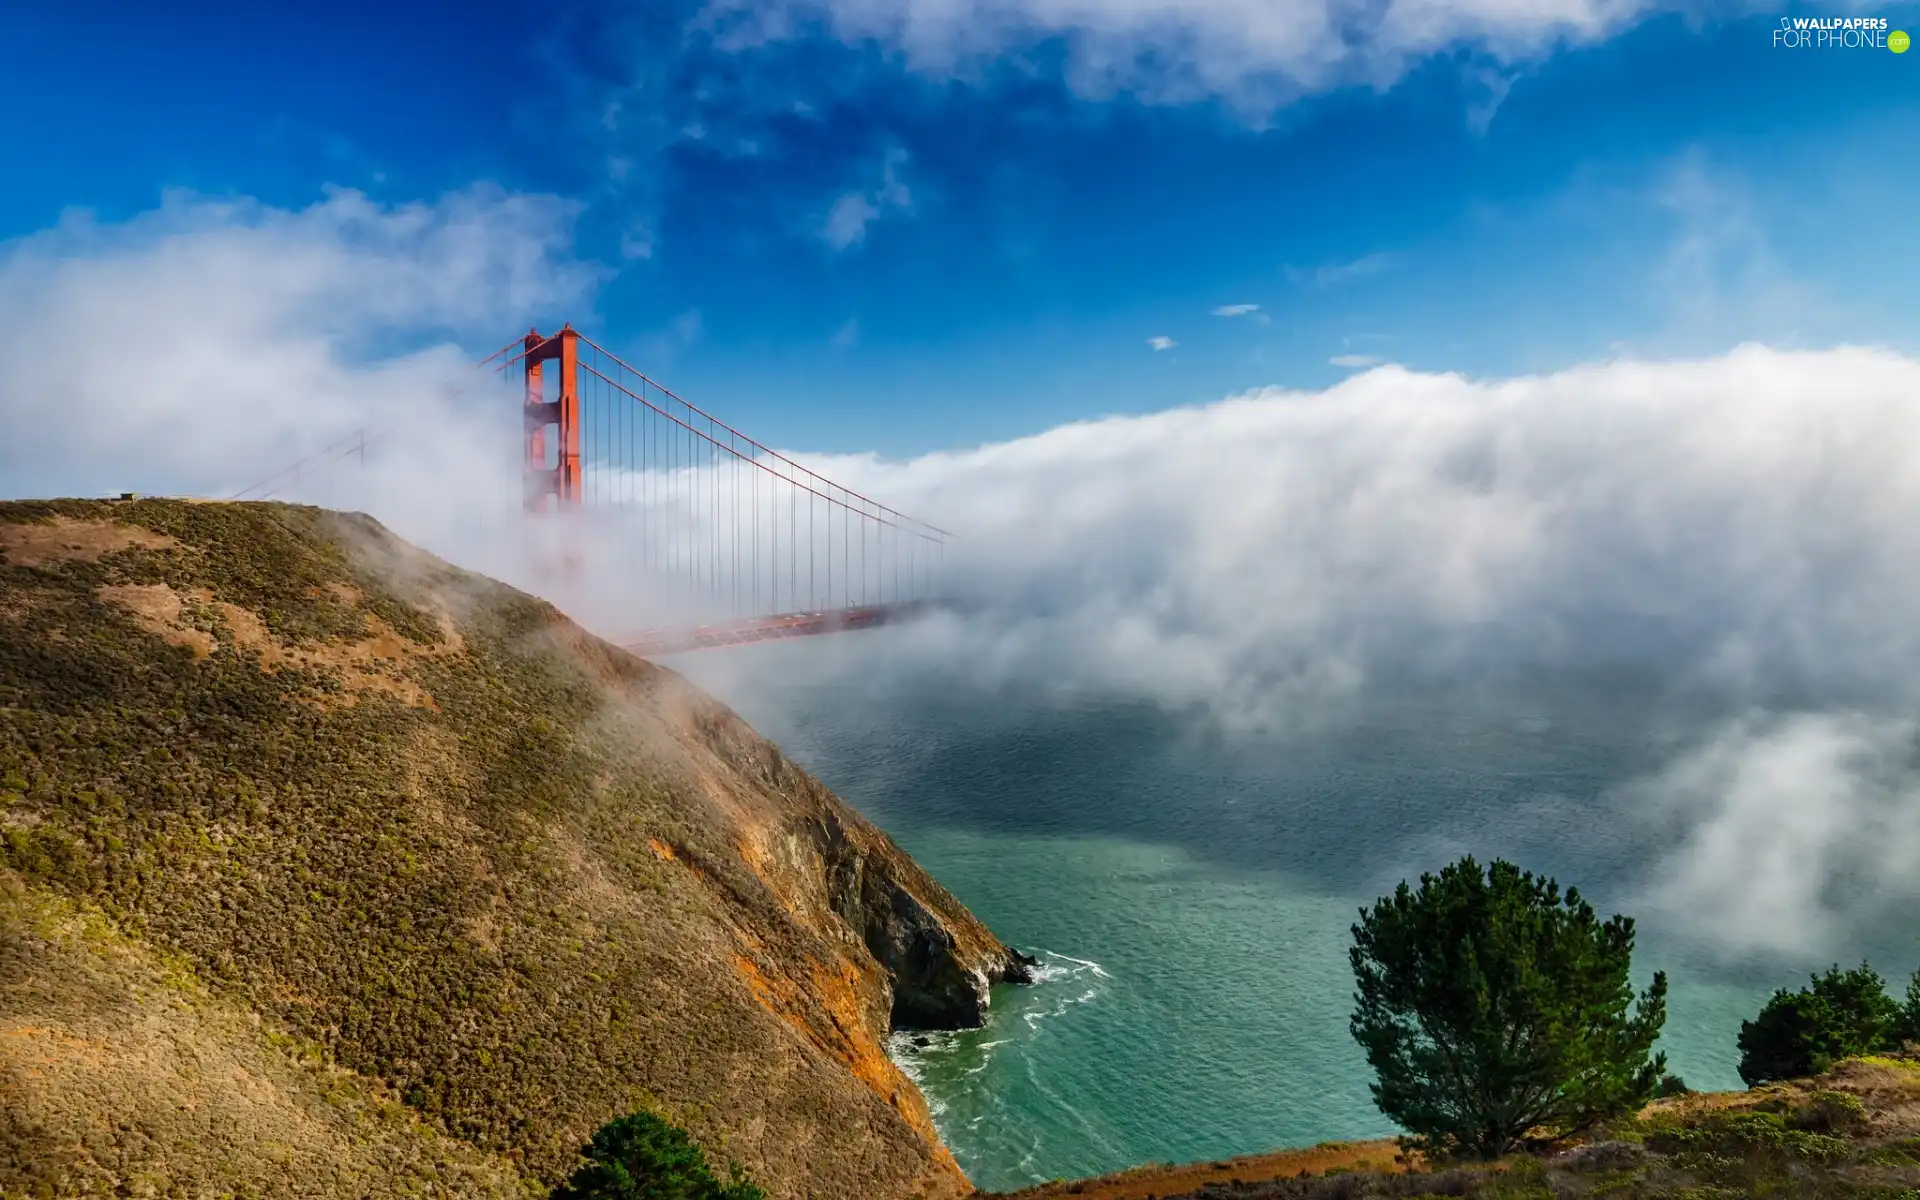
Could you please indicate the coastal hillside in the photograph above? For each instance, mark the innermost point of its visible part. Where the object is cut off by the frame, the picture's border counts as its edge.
(328, 868)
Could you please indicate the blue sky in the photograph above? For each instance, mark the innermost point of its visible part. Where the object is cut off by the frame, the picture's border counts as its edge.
(847, 230)
(909, 226)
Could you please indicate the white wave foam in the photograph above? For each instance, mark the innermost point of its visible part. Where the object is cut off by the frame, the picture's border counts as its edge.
(1086, 963)
(944, 1063)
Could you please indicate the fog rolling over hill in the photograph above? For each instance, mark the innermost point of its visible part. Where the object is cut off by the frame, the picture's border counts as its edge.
(327, 868)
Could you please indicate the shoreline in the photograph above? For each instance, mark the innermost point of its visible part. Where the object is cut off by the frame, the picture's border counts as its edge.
(1164, 1179)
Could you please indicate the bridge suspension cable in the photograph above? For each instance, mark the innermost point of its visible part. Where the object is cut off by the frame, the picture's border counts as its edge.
(732, 540)
(356, 444)
(353, 445)
(736, 528)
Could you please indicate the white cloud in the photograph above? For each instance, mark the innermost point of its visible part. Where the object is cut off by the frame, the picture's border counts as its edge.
(1254, 53)
(636, 242)
(1354, 361)
(1162, 342)
(1743, 526)
(847, 220)
(1235, 310)
(1341, 272)
(1793, 831)
(1496, 85)
(206, 343)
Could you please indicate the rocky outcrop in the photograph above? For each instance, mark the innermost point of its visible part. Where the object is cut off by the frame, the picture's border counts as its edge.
(941, 961)
(833, 865)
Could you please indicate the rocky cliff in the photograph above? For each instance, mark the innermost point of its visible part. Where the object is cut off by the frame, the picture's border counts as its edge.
(328, 866)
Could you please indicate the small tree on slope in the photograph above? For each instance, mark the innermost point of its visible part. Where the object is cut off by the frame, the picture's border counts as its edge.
(1908, 1028)
(641, 1157)
(1839, 1014)
(1491, 1005)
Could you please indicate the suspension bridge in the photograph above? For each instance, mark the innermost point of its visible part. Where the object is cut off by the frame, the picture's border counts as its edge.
(748, 544)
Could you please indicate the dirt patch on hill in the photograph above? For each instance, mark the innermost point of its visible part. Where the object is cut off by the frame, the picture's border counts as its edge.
(159, 610)
(371, 664)
(39, 543)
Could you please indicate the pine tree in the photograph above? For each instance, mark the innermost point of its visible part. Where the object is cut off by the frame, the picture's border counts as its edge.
(1839, 1014)
(1491, 1007)
(642, 1157)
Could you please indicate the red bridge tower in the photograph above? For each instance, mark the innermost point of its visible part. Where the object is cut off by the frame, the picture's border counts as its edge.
(561, 480)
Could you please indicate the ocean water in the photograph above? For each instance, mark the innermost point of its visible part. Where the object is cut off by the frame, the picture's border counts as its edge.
(1190, 894)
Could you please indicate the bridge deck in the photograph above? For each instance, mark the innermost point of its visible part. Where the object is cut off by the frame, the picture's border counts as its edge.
(651, 643)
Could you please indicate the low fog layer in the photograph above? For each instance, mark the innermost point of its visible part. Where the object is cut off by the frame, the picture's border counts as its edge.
(1735, 541)
(1742, 526)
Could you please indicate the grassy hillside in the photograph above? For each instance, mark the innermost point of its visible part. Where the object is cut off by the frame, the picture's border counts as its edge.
(427, 872)
(221, 1103)
(1853, 1133)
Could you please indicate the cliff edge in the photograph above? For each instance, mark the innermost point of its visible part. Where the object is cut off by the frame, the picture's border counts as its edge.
(325, 865)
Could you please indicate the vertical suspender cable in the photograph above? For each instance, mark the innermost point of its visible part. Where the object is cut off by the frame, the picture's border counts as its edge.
(713, 514)
(734, 505)
(672, 505)
(693, 531)
(752, 468)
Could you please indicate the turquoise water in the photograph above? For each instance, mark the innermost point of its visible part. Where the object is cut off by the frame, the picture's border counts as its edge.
(1190, 896)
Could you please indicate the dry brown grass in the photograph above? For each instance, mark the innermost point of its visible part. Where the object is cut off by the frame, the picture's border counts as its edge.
(1158, 1179)
(121, 1075)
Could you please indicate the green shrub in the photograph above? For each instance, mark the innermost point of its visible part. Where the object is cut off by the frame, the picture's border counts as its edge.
(1803, 1033)
(1837, 1113)
(642, 1157)
(1741, 1136)
(1490, 1005)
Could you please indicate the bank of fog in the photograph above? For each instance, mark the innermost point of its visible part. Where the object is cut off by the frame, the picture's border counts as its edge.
(1717, 559)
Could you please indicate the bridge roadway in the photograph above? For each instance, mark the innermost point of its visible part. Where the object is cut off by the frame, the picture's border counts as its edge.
(653, 643)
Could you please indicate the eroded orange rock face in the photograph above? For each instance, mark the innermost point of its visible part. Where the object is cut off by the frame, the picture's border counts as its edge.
(846, 998)
(836, 873)
(891, 948)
